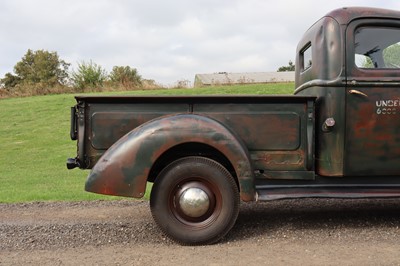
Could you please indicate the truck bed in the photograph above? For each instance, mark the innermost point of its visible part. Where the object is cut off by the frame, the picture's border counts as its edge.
(277, 130)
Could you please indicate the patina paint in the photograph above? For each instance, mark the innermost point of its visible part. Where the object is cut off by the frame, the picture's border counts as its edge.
(354, 146)
(124, 168)
(325, 79)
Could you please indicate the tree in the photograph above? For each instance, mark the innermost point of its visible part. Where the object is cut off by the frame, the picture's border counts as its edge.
(89, 75)
(290, 67)
(391, 56)
(10, 81)
(125, 76)
(38, 67)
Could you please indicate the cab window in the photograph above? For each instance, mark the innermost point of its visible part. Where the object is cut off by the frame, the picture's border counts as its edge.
(306, 57)
(377, 47)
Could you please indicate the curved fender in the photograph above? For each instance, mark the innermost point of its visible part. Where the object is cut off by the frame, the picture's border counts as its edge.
(124, 167)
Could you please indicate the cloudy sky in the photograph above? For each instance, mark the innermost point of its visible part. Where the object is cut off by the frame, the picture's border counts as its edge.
(166, 40)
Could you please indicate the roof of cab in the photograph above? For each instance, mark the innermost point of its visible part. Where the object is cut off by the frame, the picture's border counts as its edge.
(346, 14)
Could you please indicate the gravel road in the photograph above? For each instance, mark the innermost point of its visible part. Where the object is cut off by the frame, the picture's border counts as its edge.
(289, 232)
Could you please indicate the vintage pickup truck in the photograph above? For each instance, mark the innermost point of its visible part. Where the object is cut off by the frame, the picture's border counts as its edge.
(338, 136)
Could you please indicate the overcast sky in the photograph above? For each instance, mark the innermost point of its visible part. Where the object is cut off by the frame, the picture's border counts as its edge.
(166, 40)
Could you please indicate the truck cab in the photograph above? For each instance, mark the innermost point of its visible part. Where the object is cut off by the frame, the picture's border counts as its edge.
(350, 60)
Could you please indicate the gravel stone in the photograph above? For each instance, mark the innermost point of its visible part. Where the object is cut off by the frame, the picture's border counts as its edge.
(307, 232)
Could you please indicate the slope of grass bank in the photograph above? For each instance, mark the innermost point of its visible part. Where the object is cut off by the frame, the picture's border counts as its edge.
(34, 143)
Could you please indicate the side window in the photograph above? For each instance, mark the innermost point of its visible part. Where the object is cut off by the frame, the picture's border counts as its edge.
(306, 57)
(377, 47)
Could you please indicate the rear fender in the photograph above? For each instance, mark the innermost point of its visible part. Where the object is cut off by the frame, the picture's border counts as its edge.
(124, 168)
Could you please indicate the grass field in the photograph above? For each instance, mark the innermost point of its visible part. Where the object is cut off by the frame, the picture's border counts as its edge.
(35, 143)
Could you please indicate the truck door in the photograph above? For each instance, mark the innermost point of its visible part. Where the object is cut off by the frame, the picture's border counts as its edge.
(372, 144)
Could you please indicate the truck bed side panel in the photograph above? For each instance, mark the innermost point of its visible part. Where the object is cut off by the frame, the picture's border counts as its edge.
(274, 133)
(273, 128)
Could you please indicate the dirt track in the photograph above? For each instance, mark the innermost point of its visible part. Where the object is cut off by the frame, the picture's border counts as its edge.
(293, 232)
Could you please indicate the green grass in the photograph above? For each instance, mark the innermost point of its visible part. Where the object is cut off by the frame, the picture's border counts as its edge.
(35, 143)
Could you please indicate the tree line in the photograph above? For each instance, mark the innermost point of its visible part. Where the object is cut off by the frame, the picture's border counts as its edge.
(44, 72)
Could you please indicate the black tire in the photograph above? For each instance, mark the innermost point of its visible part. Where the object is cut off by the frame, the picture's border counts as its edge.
(219, 206)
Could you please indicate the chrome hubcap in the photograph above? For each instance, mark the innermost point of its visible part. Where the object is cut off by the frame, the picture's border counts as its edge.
(194, 202)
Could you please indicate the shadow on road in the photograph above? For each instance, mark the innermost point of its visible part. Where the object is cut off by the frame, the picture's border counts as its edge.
(324, 217)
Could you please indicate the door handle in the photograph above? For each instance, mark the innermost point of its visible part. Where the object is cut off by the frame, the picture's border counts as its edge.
(358, 93)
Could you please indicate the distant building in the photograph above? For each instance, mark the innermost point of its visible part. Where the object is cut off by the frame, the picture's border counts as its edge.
(224, 78)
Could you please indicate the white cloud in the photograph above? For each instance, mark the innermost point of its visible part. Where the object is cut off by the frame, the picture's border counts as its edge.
(165, 40)
(191, 28)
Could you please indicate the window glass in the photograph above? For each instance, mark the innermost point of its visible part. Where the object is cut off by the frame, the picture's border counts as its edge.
(377, 47)
(307, 58)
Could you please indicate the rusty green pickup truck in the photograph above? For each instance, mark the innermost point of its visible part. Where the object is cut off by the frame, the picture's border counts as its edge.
(338, 136)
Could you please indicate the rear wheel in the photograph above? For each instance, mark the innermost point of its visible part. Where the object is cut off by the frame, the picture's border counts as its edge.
(195, 200)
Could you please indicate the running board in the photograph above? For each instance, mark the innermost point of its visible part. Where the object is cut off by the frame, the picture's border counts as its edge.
(271, 192)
